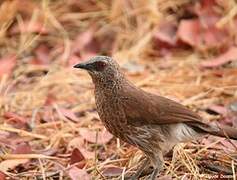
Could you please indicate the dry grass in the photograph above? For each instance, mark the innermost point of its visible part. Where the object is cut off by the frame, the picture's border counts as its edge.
(26, 91)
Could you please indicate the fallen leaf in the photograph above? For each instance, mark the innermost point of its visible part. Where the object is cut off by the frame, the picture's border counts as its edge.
(166, 33)
(2, 176)
(16, 120)
(76, 156)
(72, 60)
(218, 109)
(22, 148)
(78, 142)
(10, 164)
(206, 12)
(194, 33)
(229, 147)
(68, 114)
(112, 171)
(230, 55)
(7, 64)
(85, 45)
(100, 137)
(48, 152)
(42, 55)
(76, 174)
(188, 31)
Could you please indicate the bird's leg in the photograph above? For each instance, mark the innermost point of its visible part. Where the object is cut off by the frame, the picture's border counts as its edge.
(142, 167)
(158, 164)
(156, 172)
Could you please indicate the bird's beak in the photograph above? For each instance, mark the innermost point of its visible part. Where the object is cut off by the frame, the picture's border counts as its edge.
(84, 65)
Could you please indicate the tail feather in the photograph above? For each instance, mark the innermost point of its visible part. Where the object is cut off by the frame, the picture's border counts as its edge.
(226, 131)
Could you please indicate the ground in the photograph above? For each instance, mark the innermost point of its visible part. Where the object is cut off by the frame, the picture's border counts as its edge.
(49, 129)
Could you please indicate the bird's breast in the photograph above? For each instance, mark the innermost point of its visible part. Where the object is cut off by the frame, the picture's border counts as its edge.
(111, 114)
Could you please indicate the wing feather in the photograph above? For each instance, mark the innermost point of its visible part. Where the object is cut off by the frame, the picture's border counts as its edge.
(142, 108)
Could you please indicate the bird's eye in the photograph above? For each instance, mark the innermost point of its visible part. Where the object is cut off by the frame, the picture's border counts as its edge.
(100, 65)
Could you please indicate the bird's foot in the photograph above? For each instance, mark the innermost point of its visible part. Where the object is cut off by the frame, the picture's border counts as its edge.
(154, 174)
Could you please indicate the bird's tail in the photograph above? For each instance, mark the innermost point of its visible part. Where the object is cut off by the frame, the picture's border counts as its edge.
(226, 131)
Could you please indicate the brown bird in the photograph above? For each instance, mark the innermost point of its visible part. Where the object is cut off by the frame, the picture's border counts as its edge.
(150, 122)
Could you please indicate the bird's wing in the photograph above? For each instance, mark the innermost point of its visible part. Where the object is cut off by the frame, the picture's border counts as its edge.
(142, 108)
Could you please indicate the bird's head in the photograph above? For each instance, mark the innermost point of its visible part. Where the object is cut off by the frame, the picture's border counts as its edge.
(100, 68)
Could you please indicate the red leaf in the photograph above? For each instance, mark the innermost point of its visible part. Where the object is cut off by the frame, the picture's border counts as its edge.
(230, 55)
(100, 137)
(112, 171)
(167, 33)
(16, 120)
(73, 59)
(85, 45)
(76, 156)
(42, 55)
(229, 147)
(219, 109)
(206, 12)
(23, 148)
(79, 143)
(2, 176)
(196, 34)
(69, 114)
(76, 174)
(7, 63)
(189, 31)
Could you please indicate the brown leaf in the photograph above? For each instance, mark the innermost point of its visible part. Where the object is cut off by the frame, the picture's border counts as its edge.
(100, 137)
(10, 164)
(230, 55)
(7, 63)
(76, 156)
(76, 174)
(112, 171)
(69, 114)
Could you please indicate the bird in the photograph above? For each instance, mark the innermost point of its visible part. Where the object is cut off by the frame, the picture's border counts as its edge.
(152, 123)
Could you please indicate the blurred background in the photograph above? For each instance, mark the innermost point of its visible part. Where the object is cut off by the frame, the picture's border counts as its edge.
(49, 129)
